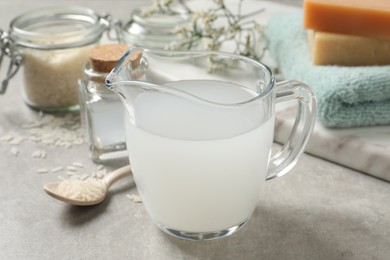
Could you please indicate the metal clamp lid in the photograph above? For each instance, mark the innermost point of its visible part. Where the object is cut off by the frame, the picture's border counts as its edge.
(16, 59)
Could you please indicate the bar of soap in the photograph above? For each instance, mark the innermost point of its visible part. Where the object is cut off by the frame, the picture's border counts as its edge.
(370, 18)
(347, 50)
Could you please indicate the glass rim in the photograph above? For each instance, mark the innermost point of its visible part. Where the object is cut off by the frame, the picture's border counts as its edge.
(111, 82)
(22, 36)
(155, 21)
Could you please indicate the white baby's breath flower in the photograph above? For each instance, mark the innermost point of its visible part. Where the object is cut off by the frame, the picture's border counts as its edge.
(205, 28)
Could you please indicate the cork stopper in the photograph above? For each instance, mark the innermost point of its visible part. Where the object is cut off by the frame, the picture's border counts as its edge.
(135, 58)
(104, 57)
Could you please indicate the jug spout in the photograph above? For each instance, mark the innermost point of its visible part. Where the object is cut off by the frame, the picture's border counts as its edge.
(130, 60)
(139, 71)
(133, 74)
(127, 78)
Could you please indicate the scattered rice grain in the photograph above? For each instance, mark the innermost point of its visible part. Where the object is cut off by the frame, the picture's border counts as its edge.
(39, 154)
(57, 169)
(71, 168)
(134, 198)
(74, 127)
(42, 170)
(17, 140)
(47, 141)
(79, 141)
(15, 151)
(6, 138)
(100, 174)
(78, 164)
(84, 176)
(69, 173)
(35, 139)
(31, 125)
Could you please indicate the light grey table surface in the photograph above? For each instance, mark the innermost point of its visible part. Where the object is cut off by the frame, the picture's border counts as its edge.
(319, 211)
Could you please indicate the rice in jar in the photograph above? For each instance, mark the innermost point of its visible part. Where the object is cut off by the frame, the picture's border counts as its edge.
(55, 43)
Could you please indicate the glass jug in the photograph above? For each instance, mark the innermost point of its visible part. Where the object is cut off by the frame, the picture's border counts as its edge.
(199, 129)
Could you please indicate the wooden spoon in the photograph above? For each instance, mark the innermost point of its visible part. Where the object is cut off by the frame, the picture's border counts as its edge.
(104, 185)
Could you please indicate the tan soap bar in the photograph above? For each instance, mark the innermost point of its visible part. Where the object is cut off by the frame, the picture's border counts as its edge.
(368, 18)
(347, 50)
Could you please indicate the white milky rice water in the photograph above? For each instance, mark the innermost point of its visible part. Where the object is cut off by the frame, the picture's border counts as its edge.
(199, 174)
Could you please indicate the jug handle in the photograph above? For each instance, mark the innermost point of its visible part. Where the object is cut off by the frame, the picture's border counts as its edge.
(285, 159)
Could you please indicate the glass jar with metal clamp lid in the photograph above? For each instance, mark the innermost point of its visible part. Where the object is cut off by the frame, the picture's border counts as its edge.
(51, 45)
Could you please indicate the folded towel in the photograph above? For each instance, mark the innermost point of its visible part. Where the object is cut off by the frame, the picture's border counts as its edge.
(347, 96)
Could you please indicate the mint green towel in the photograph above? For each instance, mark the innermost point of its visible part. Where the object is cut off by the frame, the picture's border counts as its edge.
(347, 96)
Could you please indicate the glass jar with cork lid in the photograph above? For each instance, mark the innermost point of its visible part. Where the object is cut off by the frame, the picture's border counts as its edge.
(101, 110)
(53, 44)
